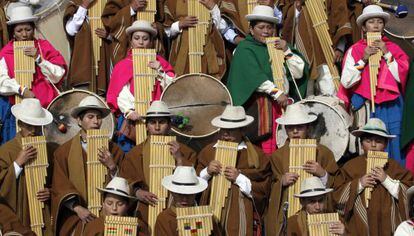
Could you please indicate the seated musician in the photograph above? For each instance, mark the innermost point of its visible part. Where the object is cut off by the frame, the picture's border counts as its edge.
(387, 206)
(50, 68)
(120, 96)
(135, 166)
(250, 80)
(406, 228)
(297, 123)
(313, 197)
(10, 223)
(13, 158)
(69, 195)
(183, 186)
(392, 76)
(250, 177)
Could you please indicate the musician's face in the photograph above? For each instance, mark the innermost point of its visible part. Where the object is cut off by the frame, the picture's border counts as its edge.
(141, 39)
(115, 205)
(374, 143)
(297, 131)
(23, 32)
(92, 119)
(262, 30)
(373, 25)
(231, 135)
(183, 200)
(158, 126)
(27, 130)
(314, 205)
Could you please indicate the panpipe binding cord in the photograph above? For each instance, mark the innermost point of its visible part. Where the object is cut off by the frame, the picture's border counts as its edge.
(120, 226)
(374, 159)
(194, 221)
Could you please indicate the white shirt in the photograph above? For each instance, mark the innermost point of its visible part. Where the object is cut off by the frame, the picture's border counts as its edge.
(392, 185)
(17, 169)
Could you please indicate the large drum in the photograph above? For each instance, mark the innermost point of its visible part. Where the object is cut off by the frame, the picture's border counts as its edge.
(331, 126)
(61, 107)
(199, 97)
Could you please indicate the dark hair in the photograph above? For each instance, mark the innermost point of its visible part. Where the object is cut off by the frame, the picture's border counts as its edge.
(10, 28)
(253, 23)
(83, 113)
(148, 119)
(411, 208)
(369, 136)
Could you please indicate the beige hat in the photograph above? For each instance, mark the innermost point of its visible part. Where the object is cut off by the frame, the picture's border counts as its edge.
(90, 103)
(158, 109)
(296, 114)
(31, 112)
(232, 117)
(311, 187)
(262, 13)
(373, 126)
(184, 181)
(141, 25)
(372, 11)
(19, 13)
(118, 186)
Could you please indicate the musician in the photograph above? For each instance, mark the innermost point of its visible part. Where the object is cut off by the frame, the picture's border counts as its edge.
(13, 158)
(406, 228)
(69, 184)
(183, 186)
(250, 80)
(136, 163)
(387, 206)
(392, 77)
(79, 33)
(120, 96)
(250, 177)
(297, 123)
(10, 223)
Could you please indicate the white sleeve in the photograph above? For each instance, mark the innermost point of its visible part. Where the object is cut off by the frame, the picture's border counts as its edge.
(53, 72)
(295, 64)
(125, 100)
(244, 184)
(351, 73)
(404, 229)
(8, 86)
(392, 185)
(324, 179)
(132, 12)
(164, 79)
(174, 30)
(204, 174)
(17, 169)
(216, 16)
(392, 65)
(267, 87)
(73, 24)
(226, 29)
(360, 187)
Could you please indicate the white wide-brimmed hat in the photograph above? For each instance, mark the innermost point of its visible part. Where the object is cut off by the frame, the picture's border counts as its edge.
(118, 186)
(373, 126)
(232, 117)
(19, 13)
(90, 103)
(262, 13)
(31, 112)
(184, 181)
(141, 25)
(311, 187)
(158, 109)
(372, 11)
(296, 114)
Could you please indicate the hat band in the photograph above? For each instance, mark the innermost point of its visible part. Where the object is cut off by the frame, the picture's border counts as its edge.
(235, 121)
(375, 129)
(184, 184)
(158, 113)
(312, 190)
(118, 190)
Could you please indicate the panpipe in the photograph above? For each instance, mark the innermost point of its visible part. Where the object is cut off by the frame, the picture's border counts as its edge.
(374, 64)
(144, 80)
(120, 226)
(36, 172)
(277, 58)
(96, 171)
(193, 221)
(300, 152)
(318, 224)
(24, 66)
(226, 154)
(317, 12)
(250, 5)
(197, 35)
(374, 159)
(149, 13)
(161, 164)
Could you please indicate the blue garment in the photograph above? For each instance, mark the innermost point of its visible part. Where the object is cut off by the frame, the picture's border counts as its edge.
(8, 121)
(123, 142)
(391, 114)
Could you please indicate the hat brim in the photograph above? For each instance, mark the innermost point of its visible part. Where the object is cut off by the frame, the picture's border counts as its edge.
(254, 17)
(283, 121)
(29, 19)
(102, 190)
(131, 29)
(158, 115)
(410, 194)
(217, 122)
(184, 189)
(360, 132)
(362, 18)
(313, 193)
(77, 110)
(18, 113)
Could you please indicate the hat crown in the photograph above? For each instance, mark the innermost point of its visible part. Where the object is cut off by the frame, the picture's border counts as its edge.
(296, 114)
(233, 113)
(91, 101)
(262, 10)
(158, 107)
(312, 184)
(20, 13)
(141, 25)
(185, 175)
(118, 184)
(375, 124)
(372, 9)
(32, 108)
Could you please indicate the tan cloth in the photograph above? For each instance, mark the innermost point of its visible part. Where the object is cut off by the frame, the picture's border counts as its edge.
(279, 195)
(235, 223)
(355, 10)
(213, 61)
(297, 224)
(235, 11)
(14, 190)
(69, 181)
(4, 35)
(93, 228)
(385, 212)
(9, 222)
(135, 168)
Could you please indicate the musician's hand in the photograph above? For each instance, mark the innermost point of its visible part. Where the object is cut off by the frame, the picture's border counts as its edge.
(28, 93)
(380, 45)
(156, 65)
(337, 228)
(368, 51)
(289, 179)
(231, 173)
(214, 167)
(138, 5)
(281, 44)
(25, 155)
(31, 52)
(146, 197)
(43, 195)
(134, 116)
(86, 3)
(101, 33)
(367, 181)
(298, 5)
(209, 4)
(188, 21)
(339, 56)
(176, 152)
(238, 39)
(84, 214)
(105, 157)
(314, 168)
(282, 100)
(378, 174)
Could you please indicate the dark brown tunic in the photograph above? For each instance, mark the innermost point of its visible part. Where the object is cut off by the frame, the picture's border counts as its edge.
(9, 222)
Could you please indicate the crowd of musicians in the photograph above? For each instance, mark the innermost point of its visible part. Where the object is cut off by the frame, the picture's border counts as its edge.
(143, 180)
